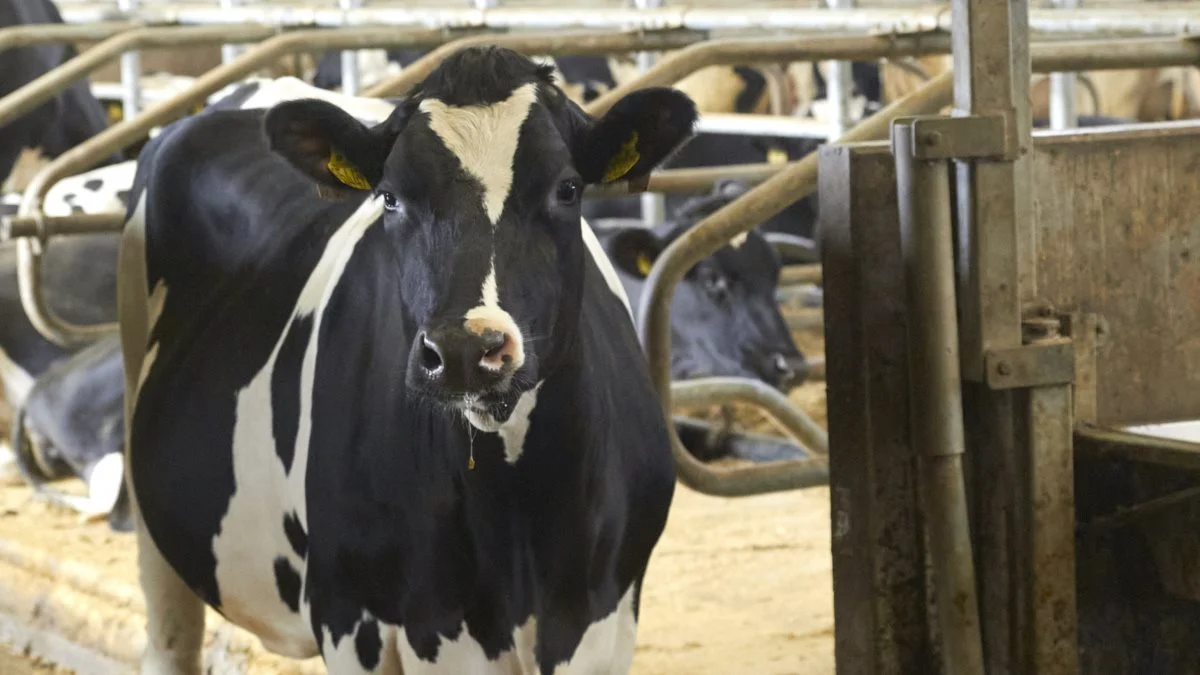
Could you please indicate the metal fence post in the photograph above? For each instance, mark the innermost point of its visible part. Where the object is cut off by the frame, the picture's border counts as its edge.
(923, 191)
(131, 72)
(654, 204)
(351, 77)
(1063, 113)
(839, 86)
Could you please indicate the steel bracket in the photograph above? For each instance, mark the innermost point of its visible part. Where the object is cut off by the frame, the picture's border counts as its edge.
(991, 136)
(1043, 363)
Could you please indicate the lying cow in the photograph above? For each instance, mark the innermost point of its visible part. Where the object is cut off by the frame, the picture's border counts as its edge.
(411, 430)
(66, 120)
(73, 418)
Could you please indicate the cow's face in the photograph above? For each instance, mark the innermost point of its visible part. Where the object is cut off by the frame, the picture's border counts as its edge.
(480, 172)
(725, 318)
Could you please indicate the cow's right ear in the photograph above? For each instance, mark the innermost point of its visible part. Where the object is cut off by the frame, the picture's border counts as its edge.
(328, 144)
(634, 251)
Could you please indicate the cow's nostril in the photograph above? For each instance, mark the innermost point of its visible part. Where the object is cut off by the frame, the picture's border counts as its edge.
(431, 356)
(498, 349)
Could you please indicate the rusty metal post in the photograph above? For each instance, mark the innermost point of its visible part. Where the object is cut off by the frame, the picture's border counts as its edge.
(714, 232)
(116, 137)
(923, 189)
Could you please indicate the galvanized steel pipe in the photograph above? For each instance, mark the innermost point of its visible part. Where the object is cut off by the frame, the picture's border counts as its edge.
(37, 92)
(709, 391)
(118, 136)
(935, 385)
(33, 34)
(711, 234)
(554, 43)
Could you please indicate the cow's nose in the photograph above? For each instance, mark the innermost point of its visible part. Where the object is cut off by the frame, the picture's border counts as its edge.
(461, 361)
(787, 371)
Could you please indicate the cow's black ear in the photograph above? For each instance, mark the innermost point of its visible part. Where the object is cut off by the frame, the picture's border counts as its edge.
(328, 144)
(634, 251)
(636, 135)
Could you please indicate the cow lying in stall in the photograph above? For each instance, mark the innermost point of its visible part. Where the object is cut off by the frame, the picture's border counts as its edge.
(725, 318)
(411, 430)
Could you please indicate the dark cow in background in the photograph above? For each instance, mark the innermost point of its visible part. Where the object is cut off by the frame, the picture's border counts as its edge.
(68, 119)
(410, 430)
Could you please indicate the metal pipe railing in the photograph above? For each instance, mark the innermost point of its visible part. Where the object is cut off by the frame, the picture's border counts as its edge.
(711, 234)
(119, 136)
(935, 386)
(678, 65)
(37, 92)
(796, 423)
(33, 34)
(1140, 20)
(783, 126)
(554, 43)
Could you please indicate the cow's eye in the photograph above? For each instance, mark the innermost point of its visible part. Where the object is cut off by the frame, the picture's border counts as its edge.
(716, 285)
(568, 191)
(390, 202)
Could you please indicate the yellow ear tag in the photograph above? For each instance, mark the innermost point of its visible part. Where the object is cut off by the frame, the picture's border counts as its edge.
(644, 263)
(624, 160)
(341, 169)
(777, 156)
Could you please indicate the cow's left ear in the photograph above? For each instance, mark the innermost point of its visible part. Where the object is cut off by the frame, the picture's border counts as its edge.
(636, 135)
(328, 144)
(634, 251)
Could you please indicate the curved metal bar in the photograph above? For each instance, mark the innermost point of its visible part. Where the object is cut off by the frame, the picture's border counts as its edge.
(552, 43)
(23, 36)
(37, 92)
(808, 273)
(793, 246)
(714, 232)
(678, 65)
(719, 390)
(116, 137)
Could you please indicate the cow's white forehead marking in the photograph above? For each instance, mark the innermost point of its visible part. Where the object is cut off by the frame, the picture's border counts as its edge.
(484, 139)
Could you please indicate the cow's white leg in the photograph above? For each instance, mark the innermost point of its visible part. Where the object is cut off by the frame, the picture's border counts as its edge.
(174, 614)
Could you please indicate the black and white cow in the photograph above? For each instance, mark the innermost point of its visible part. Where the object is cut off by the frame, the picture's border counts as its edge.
(72, 424)
(411, 430)
(725, 318)
(68, 119)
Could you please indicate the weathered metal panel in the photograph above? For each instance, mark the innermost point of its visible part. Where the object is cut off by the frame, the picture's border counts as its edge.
(878, 547)
(1118, 226)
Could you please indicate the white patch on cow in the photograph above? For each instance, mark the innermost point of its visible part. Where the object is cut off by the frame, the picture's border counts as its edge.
(282, 89)
(154, 307)
(606, 267)
(73, 191)
(489, 315)
(737, 241)
(464, 654)
(104, 482)
(251, 538)
(484, 139)
(607, 645)
(513, 431)
(341, 657)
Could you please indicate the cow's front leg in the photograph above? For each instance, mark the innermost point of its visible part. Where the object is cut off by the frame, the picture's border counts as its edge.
(174, 614)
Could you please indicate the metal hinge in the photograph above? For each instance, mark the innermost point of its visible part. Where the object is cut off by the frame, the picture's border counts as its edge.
(1047, 358)
(968, 137)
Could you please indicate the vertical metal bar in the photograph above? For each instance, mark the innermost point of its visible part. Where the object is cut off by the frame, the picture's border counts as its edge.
(131, 72)
(350, 73)
(1049, 528)
(923, 192)
(230, 52)
(654, 204)
(1063, 114)
(988, 36)
(840, 84)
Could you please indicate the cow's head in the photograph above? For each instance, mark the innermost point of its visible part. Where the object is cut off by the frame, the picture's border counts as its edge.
(725, 319)
(480, 171)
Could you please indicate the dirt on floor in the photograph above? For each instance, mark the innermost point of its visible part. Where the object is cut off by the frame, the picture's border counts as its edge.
(739, 585)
